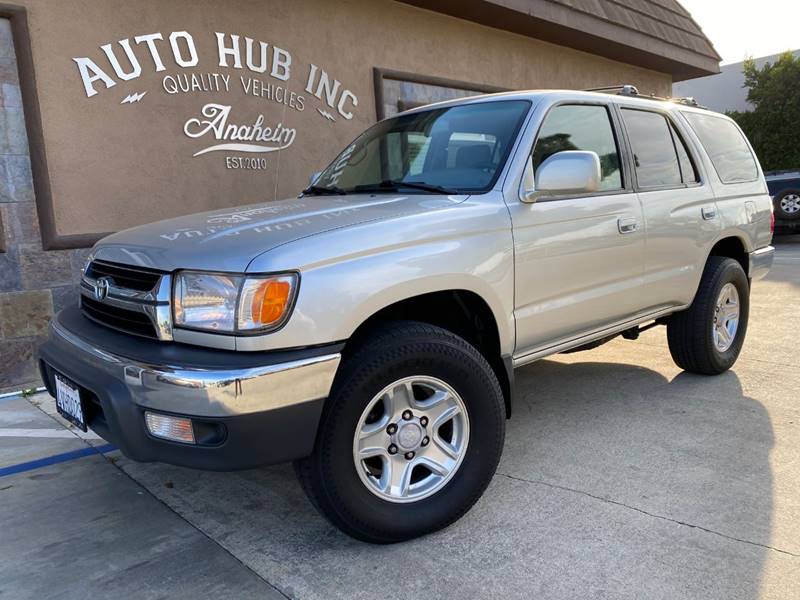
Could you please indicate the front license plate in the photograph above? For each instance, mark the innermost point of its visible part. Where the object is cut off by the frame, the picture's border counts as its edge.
(68, 402)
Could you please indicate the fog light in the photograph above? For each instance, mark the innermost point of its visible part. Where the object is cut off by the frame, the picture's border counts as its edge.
(177, 429)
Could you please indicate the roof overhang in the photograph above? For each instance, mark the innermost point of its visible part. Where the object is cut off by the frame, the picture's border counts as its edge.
(559, 24)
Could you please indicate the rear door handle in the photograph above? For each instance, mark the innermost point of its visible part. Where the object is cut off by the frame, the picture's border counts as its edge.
(709, 212)
(628, 225)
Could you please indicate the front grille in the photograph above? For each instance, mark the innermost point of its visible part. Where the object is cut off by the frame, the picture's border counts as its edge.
(129, 321)
(134, 278)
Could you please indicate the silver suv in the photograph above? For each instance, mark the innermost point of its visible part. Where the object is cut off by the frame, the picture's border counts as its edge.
(369, 329)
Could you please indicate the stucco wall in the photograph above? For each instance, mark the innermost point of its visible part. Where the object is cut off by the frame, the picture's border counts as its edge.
(112, 164)
(136, 163)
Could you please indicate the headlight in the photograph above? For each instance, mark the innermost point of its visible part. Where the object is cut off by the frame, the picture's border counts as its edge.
(230, 303)
(206, 300)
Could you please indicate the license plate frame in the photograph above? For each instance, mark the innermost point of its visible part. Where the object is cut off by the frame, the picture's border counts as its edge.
(69, 402)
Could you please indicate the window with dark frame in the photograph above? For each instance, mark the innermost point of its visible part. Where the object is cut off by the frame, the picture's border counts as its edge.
(581, 127)
(689, 173)
(726, 147)
(655, 156)
(400, 95)
(398, 91)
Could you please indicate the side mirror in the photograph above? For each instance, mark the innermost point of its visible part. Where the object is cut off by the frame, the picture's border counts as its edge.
(314, 177)
(564, 173)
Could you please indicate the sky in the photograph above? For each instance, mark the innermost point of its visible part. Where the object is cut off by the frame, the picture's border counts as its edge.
(748, 28)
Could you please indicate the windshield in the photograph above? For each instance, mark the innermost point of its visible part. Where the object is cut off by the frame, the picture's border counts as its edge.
(459, 149)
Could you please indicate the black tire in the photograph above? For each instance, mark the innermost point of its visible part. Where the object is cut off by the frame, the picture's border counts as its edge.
(690, 332)
(398, 350)
(780, 212)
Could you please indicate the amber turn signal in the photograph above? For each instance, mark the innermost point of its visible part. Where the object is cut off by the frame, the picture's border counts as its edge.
(265, 302)
(270, 301)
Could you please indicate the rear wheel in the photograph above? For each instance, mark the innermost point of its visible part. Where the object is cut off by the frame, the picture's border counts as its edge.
(410, 437)
(708, 336)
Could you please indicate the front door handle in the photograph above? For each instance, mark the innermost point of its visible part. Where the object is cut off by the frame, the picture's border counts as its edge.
(628, 225)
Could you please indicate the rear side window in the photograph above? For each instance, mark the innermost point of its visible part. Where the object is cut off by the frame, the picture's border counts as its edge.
(581, 127)
(726, 147)
(688, 170)
(654, 149)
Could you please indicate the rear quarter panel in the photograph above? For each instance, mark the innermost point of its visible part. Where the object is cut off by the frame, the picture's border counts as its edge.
(744, 208)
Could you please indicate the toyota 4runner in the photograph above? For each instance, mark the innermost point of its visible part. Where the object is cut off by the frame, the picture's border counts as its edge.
(369, 329)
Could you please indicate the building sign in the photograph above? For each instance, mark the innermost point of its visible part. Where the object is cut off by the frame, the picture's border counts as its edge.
(239, 68)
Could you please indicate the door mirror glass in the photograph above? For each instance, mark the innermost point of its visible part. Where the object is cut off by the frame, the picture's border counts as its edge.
(569, 172)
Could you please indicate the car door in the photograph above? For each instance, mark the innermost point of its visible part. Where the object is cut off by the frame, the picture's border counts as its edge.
(680, 211)
(578, 259)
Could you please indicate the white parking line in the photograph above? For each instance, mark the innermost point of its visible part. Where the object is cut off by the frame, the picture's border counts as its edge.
(48, 433)
(47, 405)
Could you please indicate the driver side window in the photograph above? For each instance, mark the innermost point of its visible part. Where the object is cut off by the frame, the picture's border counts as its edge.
(581, 127)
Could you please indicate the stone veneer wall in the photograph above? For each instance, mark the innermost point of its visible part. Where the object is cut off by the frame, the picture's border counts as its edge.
(33, 283)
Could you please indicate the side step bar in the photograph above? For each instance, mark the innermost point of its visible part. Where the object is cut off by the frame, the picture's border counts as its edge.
(628, 334)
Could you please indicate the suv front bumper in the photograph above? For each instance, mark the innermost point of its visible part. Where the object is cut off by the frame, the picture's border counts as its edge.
(247, 408)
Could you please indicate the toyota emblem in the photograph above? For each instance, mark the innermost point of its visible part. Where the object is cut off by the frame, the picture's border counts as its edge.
(101, 289)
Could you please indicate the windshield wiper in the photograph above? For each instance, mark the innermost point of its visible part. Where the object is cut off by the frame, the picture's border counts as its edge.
(394, 185)
(320, 190)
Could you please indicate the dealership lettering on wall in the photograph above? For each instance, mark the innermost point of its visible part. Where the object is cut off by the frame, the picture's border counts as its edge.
(214, 120)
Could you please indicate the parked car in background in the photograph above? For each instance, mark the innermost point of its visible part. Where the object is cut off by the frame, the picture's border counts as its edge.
(370, 329)
(784, 187)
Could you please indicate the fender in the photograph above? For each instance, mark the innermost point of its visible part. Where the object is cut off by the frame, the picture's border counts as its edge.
(349, 274)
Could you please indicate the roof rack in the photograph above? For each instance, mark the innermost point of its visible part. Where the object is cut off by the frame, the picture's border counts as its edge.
(621, 90)
(633, 91)
(688, 101)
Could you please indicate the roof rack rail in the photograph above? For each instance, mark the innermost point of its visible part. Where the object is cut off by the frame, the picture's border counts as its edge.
(688, 101)
(632, 90)
(622, 90)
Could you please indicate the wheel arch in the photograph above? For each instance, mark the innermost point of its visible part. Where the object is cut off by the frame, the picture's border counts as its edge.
(460, 311)
(732, 246)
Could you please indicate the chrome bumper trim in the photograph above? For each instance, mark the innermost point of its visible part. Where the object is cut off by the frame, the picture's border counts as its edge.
(205, 392)
(761, 262)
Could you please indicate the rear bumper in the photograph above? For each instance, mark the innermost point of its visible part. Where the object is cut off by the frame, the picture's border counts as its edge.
(248, 409)
(761, 262)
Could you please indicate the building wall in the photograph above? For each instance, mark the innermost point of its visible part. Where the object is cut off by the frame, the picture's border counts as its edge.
(725, 91)
(33, 283)
(112, 164)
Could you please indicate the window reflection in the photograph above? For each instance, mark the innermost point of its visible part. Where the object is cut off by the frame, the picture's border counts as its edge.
(579, 127)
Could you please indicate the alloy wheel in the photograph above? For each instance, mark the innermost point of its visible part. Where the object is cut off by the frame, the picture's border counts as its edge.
(411, 439)
(726, 317)
(790, 203)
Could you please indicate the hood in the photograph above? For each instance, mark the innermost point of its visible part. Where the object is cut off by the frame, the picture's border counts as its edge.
(228, 240)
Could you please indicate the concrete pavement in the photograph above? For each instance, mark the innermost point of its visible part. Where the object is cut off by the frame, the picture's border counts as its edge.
(82, 528)
(622, 477)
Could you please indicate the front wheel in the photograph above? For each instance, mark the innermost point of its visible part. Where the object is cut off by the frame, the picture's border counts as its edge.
(707, 337)
(410, 436)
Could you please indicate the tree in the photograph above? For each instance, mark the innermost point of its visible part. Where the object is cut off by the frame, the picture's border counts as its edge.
(773, 126)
